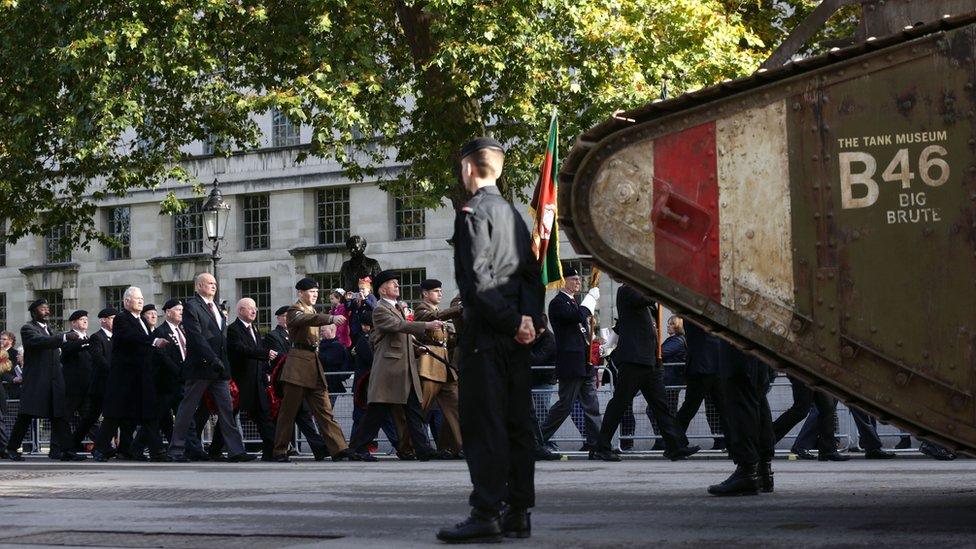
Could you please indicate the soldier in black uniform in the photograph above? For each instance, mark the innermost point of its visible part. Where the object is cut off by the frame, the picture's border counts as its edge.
(502, 291)
(751, 441)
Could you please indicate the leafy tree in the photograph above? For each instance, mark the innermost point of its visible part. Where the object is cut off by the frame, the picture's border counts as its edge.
(99, 96)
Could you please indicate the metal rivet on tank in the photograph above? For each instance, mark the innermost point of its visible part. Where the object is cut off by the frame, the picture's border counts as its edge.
(950, 427)
(901, 379)
(925, 354)
(855, 235)
(821, 324)
(927, 231)
(918, 414)
(886, 399)
(847, 351)
(823, 347)
(968, 86)
(797, 106)
(796, 325)
(957, 402)
(899, 343)
(750, 234)
(831, 275)
(874, 329)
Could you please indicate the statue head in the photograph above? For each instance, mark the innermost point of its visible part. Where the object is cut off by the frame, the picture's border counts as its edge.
(356, 245)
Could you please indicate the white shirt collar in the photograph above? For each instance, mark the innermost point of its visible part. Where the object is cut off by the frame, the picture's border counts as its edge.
(246, 324)
(172, 326)
(107, 332)
(79, 332)
(390, 301)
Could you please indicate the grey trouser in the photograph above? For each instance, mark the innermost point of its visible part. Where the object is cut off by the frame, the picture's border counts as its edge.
(584, 389)
(192, 394)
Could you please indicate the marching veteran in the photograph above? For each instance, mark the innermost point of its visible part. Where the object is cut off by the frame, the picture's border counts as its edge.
(303, 378)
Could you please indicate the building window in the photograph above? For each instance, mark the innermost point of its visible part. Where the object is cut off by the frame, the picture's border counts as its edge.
(409, 219)
(112, 296)
(210, 144)
(188, 229)
(56, 247)
(119, 229)
(179, 290)
(410, 280)
(584, 270)
(258, 289)
(257, 215)
(3, 242)
(3, 312)
(284, 133)
(332, 213)
(327, 283)
(55, 300)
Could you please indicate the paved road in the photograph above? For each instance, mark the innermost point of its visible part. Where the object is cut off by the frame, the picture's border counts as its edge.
(637, 503)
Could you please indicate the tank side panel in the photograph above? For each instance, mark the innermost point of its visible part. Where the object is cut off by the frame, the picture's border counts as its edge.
(684, 165)
(622, 199)
(755, 228)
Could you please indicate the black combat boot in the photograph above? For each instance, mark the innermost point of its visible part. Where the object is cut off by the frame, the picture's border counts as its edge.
(765, 476)
(480, 527)
(516, 523)
(743, 482)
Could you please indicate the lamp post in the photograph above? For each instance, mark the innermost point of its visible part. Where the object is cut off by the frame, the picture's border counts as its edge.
(216, 213)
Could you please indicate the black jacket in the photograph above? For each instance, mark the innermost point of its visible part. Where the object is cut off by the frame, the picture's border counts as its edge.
(249, 365)
(167, 364)
(101, 354)
(637, 343)
(131, 391)
(335, 358)
(570, 323)
(544, 354)
(496, 271)
(277, 340)
(704, 351)
(42, 392)
(9, 389)
(76, 366)
(206, 341)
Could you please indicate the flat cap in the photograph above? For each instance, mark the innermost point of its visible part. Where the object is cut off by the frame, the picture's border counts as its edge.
(171, 303)
(107, 312)
(281, 310)
(149, 307)
(37, 303)
(383, 278)
(77, 314)
(306, 284)
(570, 271)
(430, 284)
(480, 143)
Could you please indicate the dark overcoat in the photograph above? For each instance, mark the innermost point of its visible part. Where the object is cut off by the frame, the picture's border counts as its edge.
(101, 353)
(130, 392)
(167, 364)
(569, 324)
(76, 363)
(42, 391)
(249, 365)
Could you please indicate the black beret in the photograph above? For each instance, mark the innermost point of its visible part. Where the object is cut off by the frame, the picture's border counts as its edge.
(107, 312)
(430, 284)
(569, 271)
(382, 278)
(36, 304)
(77, 314)
(281, 310)
(171, 303)
(479, 143)
(306, 284)
(149, 307)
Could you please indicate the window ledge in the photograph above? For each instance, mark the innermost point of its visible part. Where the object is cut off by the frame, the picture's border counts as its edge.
(171, 259)
(50, 268)
(318, 249)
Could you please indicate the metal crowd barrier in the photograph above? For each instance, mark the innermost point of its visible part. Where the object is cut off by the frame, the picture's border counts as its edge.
(567, 437)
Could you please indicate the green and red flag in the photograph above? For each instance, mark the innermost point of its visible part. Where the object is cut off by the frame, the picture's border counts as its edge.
(545, 230)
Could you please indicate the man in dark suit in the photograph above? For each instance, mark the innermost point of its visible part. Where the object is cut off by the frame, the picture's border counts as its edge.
(130, 394)
(639, 369)
(278, 341)
(206, 370)
(703, 383)
(100, 351)
(76, 366)
(250, 368)
(42, 391)
(570, 324)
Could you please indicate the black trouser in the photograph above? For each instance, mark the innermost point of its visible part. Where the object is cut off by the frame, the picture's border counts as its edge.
(266, 430)
(803, 398)
(103, 441)
(750, 425)
(87, 420)
(166, 406)
(649, 380)
(867, 430)
(377, 412)
(707, 388)
(495, 404)
(60, 432)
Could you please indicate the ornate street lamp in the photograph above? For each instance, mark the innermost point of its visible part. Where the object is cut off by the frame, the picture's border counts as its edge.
(216, 213)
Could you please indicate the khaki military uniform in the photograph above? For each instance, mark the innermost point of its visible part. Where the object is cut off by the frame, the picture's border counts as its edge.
(303, 379)
(438, 381)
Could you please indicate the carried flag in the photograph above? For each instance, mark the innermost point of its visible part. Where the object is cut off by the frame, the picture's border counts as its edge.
(545, 231)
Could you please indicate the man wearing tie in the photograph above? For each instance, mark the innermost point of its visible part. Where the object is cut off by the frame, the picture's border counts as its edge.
(206, 371)
(76, 366)
(249, 363)
(42, 392)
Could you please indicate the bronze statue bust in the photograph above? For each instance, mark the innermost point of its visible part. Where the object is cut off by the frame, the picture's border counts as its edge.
(358, 266)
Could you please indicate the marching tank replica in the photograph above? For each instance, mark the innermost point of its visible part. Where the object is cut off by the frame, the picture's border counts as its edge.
(820, 213)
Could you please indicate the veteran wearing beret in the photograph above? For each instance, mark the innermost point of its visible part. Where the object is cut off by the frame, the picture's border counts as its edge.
(77, 368)
(303, 378)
